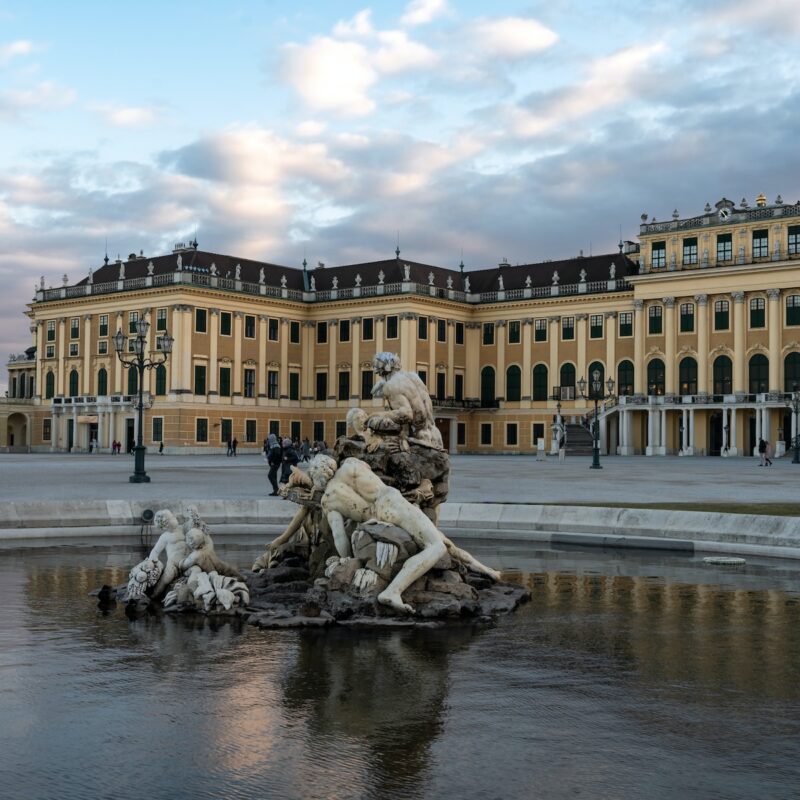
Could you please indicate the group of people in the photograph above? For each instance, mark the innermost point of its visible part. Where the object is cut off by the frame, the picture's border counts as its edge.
(232, 445)
(281, 454)
(116, 448)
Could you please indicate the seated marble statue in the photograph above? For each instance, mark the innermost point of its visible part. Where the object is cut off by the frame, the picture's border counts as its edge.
(408, 400)
(172, 541)
(204, 556)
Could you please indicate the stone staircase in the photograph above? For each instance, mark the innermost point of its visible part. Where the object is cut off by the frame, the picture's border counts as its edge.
(579, 440)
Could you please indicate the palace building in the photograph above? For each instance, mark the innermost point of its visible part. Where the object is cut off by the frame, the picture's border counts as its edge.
(698, 326)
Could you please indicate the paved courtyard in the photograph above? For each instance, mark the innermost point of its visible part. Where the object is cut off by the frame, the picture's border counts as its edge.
(509, 479)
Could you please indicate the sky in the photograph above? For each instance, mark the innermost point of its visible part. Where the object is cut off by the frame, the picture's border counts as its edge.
(278, 131)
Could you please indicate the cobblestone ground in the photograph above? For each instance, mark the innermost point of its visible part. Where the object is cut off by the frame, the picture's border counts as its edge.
(514, 479)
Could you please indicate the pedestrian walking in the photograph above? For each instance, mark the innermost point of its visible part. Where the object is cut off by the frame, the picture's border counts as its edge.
(274, 459)
(234, 445)
(768, 453)
(305, 450)
(289, 459)
(161, 448)
(230, 447)
(762, 452)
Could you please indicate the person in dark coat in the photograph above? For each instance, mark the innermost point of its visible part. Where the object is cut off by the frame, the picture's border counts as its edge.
(289, 459)
(274, 460)
(234, 445)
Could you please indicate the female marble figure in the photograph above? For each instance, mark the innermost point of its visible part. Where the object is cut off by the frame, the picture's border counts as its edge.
(173, 541)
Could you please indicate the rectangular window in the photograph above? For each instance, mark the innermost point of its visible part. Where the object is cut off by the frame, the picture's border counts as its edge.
(73, 350)
(158, 429)
(322, 386)
(250, 430)
(514, 332)
(319, 431)
(793, 309)
(295, 429)
(322, 333)
(486, 433)
(344, 385)
(294, 332)
(47, 429)
(441, 383)
(249, 326)
(537, 433)
(488, 333)
(341, 428)
(225, 323)
(225, 430)
(367, 380)
(391, 327)
(512, 434)
(461, 433)
(459, 333)
(201, 429)
(368, 329)
(422, 328)
(344, 330)
(225, 381)
(654, 320)
(724, 247)
(50, 351)
(540, 330)
(161, 319)
(794, 240)
(423, 375)
(133, 319)
(758, 313)
(567, 328)
(272, 330)
(459, 386)
(75, 328)
(51, 330)
(659, 255)
(441, 330)
(275, 427)
(102, 347)
(102, 329)
(690, 250)
(199, 379)
(596, 326)
(626, 323)
(294, 385)
(272, 384)
(131, 345)
(249, 383)
(760, 244)
(687, 317)
(721, 315)
(200, 320)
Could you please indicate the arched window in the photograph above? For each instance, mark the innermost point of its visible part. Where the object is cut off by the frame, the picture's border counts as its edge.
(161, 379)
(513, 384)
(488, 395)
(596, 366)
(655, 377)
(133, 381)
(625, 378)
(687, 376)
(758, 374)
(102, 382)
(540, 382)
(567, 376)
(49, 385)
(791, 372)
(74, 383)
(723, 375)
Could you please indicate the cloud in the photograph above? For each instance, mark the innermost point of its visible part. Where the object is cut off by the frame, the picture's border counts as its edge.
(45, 96)
(511, 37)
(359, 25)
(421, 12)
(126, 116)
(9, 51)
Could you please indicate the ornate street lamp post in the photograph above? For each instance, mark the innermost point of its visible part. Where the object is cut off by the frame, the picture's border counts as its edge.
(794, 403)
(139, 361)
(596, 393)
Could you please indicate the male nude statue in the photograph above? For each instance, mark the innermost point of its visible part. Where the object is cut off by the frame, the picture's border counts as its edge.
(174, 542)
(408, 400)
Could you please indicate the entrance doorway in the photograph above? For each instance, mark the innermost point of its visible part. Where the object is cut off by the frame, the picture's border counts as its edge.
(70, 434)
(443, 424)
(130, 438)
(751, 436)
(715, 434)
(93, 434)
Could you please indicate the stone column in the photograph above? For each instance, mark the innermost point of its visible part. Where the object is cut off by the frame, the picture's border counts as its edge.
(238, 320)
(39, 328)
(684, 430)
(580, 368)
(333, 377)
(794, 425)
(451, 360)
(765, 426)
(639, 370)
(527, 366)
(623, 439)
(724, 428)
(651, 426)
(261, 374)
(611, 345)
(603, 436)
(662, 429)
(61, 369)
(733, 448)
(213, 341)
(101, 429)
(692, 443)
(118, 372)
(75, 444)
(739, 377)
(283, 378)
(380, 322)
(702, 344)
(309, 334)
(355, 359)
(670, 346)
(759, 433)
(408, 341)
(774, 324)
(500, 339)
(473, 351)
(148, 379)
(553, 338)
(431, 356)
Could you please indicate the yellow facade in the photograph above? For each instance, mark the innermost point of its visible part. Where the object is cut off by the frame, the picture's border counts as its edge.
(702, 349)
